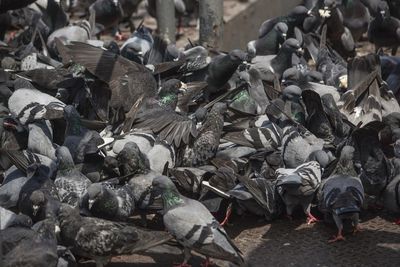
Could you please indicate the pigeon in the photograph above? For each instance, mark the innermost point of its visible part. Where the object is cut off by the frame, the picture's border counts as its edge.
(270, 42)
(100, 239)
(39, 250)
(339, 35)
(391, 196)
(40, 139)
(298, 187)
(384, 30)
(341, 196)
(356, 17)
(70, 182)
(11, 186)
(206, 144)
(108, 201)
(295, 18)
(221, 69)
(297, 145)
(375, 167)
(193, 226)
(10, 219)
(137, 46)
(38, 197)
(131, 160)
(274, 65)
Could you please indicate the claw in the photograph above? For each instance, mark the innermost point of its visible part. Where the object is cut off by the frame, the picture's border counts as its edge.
(357, 229)
(311, 219)
(337, 238)
(120, 37)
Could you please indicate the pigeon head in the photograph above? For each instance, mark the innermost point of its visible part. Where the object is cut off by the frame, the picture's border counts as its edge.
(62, 94)
(292, 45)
(290, 75)
(383, 9)
(38, 200)
(238, 56)
(64, 157)
(67, 212)
(329, 4)
(113, 47)
(163, 186)
(300, 12)
(168, 93)
(95, 191)
(282, 29)
(292, 92)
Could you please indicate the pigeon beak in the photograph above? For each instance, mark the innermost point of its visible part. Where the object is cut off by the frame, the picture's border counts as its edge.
(183, 88)
(309, 13)
(116, 170)
(300, 51)
(284, 35)
(383, 13)
(57, 229)
(35, 209)
(91, 202)
(343, 82)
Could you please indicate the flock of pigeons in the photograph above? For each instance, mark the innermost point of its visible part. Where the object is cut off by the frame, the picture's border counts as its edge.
(93, 133)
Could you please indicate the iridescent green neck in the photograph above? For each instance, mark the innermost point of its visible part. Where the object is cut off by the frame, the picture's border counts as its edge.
(168, 99)
(171, 198)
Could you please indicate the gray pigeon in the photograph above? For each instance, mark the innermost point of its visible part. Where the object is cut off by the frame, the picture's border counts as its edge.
(297, 145)
(10, 219)
(11, 186)
(100, 239)
(40, 139)
(108, 201)
(191, 223)
(298, 187)
(341, 196)
(70, 182)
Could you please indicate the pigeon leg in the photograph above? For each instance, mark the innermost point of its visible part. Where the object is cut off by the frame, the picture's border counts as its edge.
(311, 219)
(207, 263)
(186, 251)
(397, 222)
(338, 237)
(339, 224)
(119, 36)
(228, 214)
(357, 227)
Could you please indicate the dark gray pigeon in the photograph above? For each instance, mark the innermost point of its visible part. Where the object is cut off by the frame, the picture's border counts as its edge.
(221, 69)
(70, 182)
(297, 187)
(206, 144)
(341, 196)
(108, 201)
(131, 160)
(39, 250)
(391, 197)
(270, 43)
(14, 179)
(193, 226)
(100, 239)
(38, 197)
(384, 30)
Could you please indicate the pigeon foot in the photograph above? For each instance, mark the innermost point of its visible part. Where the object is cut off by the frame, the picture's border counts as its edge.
(311, 219)
(338, 237)
(227, 216)
(357, 229)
